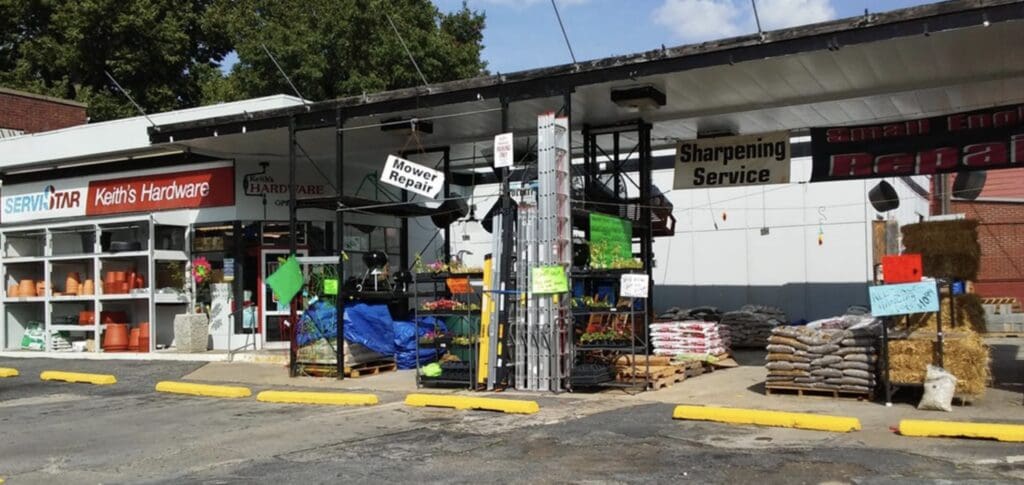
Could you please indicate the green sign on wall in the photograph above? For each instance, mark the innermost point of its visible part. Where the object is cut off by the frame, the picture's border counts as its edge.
(611, 240)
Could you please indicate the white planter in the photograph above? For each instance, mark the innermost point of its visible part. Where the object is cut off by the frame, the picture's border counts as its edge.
(191, 332)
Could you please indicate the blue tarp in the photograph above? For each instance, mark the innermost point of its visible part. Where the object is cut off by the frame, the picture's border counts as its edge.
(371, 326)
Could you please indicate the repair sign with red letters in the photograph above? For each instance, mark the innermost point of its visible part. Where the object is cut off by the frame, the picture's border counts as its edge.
(976, 140)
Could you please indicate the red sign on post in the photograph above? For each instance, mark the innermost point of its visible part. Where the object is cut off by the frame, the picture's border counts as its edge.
(905, 268)
(181, 190)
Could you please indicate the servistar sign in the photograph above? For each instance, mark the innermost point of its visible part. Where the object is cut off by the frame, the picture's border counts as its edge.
(76, 197)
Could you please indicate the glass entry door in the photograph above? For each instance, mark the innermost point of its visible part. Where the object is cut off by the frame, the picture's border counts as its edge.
(275, 316)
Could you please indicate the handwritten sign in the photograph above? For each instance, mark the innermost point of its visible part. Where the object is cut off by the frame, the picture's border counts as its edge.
(905, 299)
(633, 286)
(459, 286)
(547, 280)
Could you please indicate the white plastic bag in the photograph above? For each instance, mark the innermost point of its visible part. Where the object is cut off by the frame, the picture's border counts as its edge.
(939, 387)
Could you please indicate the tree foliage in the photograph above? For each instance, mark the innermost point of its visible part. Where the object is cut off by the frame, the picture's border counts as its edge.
(333, 48)
(168, 53)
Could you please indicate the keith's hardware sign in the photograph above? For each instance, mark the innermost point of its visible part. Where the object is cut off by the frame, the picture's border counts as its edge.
(977, 140)
(145, 191)
(731, 161)
(413, 177)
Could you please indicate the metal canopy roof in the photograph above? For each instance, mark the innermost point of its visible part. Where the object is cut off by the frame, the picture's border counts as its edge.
(915, 62)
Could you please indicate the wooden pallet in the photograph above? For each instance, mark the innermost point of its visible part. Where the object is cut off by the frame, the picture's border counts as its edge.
(370, 368)
(667, 381)
(814, 391)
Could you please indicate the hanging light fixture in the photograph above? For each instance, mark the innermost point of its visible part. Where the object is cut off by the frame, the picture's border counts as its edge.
(883, 197)
(968, 185)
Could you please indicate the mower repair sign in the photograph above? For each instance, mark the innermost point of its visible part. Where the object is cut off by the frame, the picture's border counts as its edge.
(731, 161)
(411, 176)
(976, 140)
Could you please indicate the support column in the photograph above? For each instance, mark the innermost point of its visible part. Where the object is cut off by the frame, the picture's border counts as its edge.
(501, 298)
(339, 238)
(292, 244)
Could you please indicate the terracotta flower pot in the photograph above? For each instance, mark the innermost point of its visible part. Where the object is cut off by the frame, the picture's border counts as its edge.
(123, 287)
(86, 317)
(144, 330)
(87, 288)
(140, 282)
(27, 288)
(113, 317)
(40, 288)
(71, 283)
(12, 291)
(116, 337)
(133, 340)
(109, 277)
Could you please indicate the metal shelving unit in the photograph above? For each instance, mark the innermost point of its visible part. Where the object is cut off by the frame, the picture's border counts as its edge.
(437, 282)
(48, 252)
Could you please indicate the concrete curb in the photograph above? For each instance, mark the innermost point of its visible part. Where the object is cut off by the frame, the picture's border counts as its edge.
(8, 372)
(817, 422)
(512, 406)
(205, 390)
(952, 429)
(78, 377)
(325, 398)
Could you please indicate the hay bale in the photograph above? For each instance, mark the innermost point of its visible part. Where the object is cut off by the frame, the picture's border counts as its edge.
(948, 249)
(969, 314)
(967, 358)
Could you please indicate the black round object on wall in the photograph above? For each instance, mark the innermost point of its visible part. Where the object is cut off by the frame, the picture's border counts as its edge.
(883, 197)
(968, 185)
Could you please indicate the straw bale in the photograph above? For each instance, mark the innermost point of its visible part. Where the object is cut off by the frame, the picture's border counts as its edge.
(948, 249)
(966, 357)
(969, 314)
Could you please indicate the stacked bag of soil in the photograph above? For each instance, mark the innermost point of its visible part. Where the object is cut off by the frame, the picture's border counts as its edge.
(689, 337)
(839, 354)
(703, 313)
(751, 325)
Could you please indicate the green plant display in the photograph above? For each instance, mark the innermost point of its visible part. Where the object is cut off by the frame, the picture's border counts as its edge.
(611, 243)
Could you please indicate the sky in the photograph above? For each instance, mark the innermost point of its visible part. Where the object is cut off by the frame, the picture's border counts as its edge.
(524, 34)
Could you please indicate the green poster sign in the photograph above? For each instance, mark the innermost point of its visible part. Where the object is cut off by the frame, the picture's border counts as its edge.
(331, 286)
(611, 240)
(547, 280)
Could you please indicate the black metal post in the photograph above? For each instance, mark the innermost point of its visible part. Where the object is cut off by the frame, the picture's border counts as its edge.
(339, 238)
(940, 338)
(446, 166)
(501, 298)
(292, 357)
(885, 361)
(646, 239)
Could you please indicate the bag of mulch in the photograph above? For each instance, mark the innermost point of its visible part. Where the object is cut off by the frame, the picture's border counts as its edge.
(808, 380)
(787, 341)
(772, 378)
(827, 373)
(848, 364)
(847, 387)
(780, 349)
(827, 360)
(853, 350)
(801, 366)
(776, 357)
(779, 365)
(850, 381)
(858, 342)
(789, 373)
(860, 358)
(863, 374)
(939, 387)
(791, 332)
(823, 349)
(807, 355)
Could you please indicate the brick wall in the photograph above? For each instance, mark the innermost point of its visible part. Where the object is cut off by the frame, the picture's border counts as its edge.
(1001, 236)
(32, 113)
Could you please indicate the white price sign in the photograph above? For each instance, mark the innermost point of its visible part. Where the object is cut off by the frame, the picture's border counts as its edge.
(412, 177)
(503, 151)
(633, 286)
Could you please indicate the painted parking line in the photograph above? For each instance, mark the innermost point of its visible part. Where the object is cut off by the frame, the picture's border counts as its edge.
(952, 429)
(817, 422)
(205, 390)
(8, 372)
(512, 406)
(78, 377)
(323, 398)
